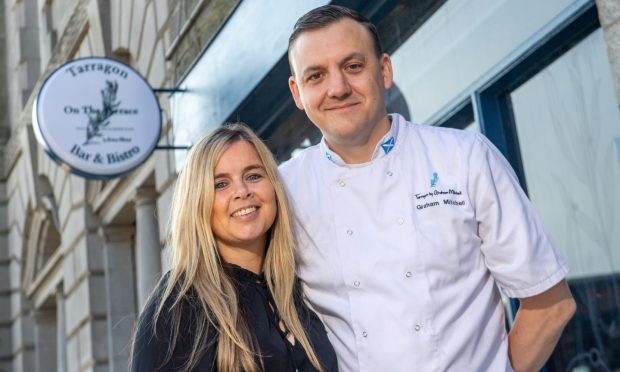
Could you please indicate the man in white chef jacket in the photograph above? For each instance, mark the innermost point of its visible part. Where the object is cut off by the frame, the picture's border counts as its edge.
(406, 231)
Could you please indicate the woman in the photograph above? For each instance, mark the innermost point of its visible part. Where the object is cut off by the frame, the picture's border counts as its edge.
(231, 301)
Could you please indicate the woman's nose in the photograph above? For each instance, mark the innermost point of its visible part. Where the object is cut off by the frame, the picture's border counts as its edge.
(242, 190)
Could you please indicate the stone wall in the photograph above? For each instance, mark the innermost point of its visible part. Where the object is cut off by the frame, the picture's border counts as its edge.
(609, 15)
(75, 254)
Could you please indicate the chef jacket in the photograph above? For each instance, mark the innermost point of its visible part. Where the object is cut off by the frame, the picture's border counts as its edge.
(403, 256)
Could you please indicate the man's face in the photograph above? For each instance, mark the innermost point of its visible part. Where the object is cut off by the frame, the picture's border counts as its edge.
(339, 81)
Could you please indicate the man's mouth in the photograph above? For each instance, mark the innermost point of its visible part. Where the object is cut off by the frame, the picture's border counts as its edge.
(340, 107)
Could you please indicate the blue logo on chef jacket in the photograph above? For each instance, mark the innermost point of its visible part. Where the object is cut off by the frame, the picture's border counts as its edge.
(388, 145)
(328, 155)
(434, 179)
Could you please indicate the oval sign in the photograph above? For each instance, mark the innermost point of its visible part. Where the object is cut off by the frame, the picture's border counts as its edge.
(98, 116)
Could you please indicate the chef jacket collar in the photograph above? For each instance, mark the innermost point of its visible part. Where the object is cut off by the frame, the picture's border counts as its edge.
(383, 147)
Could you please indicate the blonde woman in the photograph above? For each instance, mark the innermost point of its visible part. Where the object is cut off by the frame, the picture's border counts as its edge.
(231, 301)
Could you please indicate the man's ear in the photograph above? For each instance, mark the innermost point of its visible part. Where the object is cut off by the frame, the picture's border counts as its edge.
(292, 84)
(386, 70)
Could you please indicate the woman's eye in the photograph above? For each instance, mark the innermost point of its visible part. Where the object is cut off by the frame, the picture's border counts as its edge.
(220, 185)
(254, 177)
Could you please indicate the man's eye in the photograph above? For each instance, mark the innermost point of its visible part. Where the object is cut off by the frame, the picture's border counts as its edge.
(220, 185)
(354, 67)
(314, 77)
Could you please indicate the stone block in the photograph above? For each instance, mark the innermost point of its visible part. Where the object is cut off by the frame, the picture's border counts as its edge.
(87, 255)
(16, 217)
(5, 366)
(74, 226)
(13, 273)
(6, 348)
(612, 39)
(166, 259)
(86, 344)
(4, 217)
(94, 246)
(149, 37)
(3, 192)
(4, 247)
(165, 172)
(136, 26)
(24, 361)
(80, 258)
(45, 336)
(5, 279)
(97, 297)
(101, 367)
(78, 189)
(5, 310)
(163, 14)
(77, 306)
(73, 354)
(157, 71)
(99, 336)
(18, 303)
(22, 332)
(64, 209)
(59, 182)
(93, 341)
(68, 272)
(608, 11)
(163, 210)
(15, 242)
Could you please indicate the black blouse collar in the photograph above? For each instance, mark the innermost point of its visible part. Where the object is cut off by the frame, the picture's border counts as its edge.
(244, 275)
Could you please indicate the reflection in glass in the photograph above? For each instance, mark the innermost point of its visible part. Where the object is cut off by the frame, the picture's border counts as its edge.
(473, 127)
(567, 121)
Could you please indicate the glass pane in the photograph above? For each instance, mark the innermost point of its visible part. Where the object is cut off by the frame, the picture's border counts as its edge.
(568, 127)
(222, 78)
(461, 42)
(473, 127)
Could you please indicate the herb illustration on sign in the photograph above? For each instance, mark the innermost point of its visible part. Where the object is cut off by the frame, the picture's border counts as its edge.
(99, 119)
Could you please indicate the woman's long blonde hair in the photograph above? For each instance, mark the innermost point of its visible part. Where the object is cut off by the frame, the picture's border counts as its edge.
(197, 265)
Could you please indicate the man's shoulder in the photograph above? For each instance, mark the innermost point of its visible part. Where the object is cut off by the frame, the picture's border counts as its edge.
(300, 162)
(441, 141)
(443, 133)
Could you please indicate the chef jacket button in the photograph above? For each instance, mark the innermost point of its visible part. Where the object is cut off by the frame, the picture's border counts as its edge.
(342, 183)
(356, 283)
(365, 334)
(389, 173)
(349, 232)
(408, 274)
(417, 327)
(400, 221)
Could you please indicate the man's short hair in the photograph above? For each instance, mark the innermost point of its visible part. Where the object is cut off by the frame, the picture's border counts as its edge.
(324, 16)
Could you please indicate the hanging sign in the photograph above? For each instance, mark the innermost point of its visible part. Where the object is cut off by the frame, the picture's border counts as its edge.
(97, 116)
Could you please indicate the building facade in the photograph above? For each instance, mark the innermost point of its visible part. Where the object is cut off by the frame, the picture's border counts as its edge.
(79, 257)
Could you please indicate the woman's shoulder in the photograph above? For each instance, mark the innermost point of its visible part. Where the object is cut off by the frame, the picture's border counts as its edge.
(154, 336)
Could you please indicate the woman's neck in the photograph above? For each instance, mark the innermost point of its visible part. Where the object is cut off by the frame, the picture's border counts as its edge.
(248, 257)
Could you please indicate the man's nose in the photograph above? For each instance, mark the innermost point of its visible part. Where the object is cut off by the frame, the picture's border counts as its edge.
(338, 85)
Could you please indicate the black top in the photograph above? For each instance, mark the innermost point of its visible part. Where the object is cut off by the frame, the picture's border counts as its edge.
(257, 306)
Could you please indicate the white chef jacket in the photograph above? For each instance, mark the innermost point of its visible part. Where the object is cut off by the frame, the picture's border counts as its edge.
(402, 255)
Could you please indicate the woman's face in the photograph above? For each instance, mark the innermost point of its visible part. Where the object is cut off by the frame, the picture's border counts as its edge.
(244, 205)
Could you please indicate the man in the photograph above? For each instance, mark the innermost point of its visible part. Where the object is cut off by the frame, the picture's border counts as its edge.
(405, 231)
